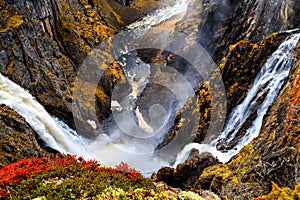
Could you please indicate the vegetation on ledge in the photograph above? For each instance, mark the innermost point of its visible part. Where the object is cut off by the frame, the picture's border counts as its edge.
(69, 177)
(284, 193)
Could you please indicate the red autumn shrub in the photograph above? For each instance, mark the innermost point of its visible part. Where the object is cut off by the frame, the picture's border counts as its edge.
(131, 173)
(12, 174)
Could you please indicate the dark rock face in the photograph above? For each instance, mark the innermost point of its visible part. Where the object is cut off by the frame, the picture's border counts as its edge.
(222, 26)
(248, 174)
(185, 174)
(221, 23)
(18, 140)
(238, 71)
(272, 157)
(43, 53)
(44, 42)
(226, 179)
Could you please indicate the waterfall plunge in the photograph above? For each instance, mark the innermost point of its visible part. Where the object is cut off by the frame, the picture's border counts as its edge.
(268, 82)
(58, 136)
(54, 133)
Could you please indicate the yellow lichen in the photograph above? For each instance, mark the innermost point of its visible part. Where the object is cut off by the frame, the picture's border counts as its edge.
(115, 71)
(100, 94)
(10, 67)
(240, 43)
(12, 22)
(189, 196)
(216, 170)
(283, 193)
(181, 122)
(232, 88)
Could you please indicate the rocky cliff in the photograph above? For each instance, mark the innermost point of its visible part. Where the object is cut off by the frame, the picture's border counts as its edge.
(18, 140)
(230, 28)
(272, 157)
(44, 42)
(221, 23)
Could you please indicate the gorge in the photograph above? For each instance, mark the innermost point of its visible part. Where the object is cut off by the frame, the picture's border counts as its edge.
(215, 107)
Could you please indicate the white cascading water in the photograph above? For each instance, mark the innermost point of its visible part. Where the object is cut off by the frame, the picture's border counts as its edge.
(53, 132)
(115, 146)
(160, 15)
(58, 136)
(268, 84)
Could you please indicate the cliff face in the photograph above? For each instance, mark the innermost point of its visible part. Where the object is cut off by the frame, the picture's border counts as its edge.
(44, 42)
(228, 29)
(273, 156)
(231, 29)
(238, 71)
(225, 179)
(18, 140)
(221, 23)
(220, 28)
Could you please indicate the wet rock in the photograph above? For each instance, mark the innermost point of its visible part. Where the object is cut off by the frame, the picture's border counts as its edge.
(271, 157)
(18, 139)
(221, 23)
(185, 175)
(238, 71)
(44, 42)
(244, 171)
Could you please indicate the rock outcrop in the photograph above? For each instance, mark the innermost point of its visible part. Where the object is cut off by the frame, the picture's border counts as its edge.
(239, 173)
(18, 139)
(222, 23)
(42, 46)
(230, 28)
(271, 157)
(186, 174)
(230, 31)
(238, 71)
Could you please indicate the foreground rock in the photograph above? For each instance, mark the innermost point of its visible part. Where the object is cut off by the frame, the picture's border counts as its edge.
(185, 174)
(18, 139)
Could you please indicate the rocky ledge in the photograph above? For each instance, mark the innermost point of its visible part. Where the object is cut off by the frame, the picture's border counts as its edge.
(273, 157)
(44, 42)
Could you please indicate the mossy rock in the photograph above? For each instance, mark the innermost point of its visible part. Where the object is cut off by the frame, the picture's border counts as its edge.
(18, 139)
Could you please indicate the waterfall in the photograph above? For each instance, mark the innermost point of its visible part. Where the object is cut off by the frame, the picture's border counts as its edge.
(160, 15)
(111, 149)
(54, 132)
(59, 136)
(122, 139)
(265, 88)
